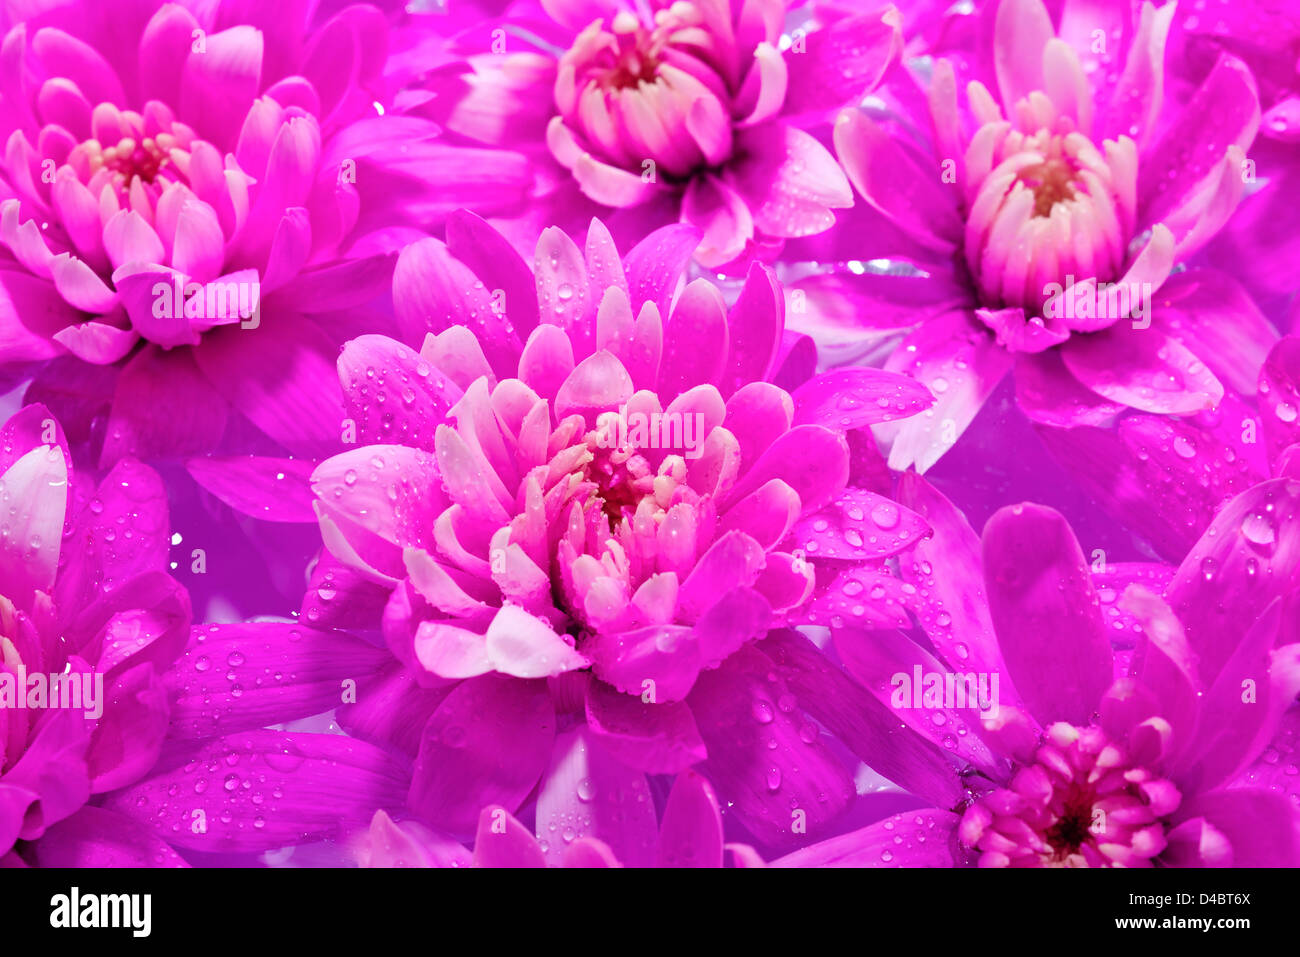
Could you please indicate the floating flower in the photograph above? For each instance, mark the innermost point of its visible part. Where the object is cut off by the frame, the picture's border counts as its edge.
(89, 621)
(685, 111)
(183, 207)
(589, 497)
(1040, 227)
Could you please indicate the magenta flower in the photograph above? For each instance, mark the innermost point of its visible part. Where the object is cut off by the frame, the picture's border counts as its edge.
(685, 111)
(89, 620)
(1087, 756)
(129, 763)
(182, 203)
(1040, 225)
(589, 497)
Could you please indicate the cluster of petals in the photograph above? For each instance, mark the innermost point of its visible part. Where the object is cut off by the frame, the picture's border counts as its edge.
(698, 111)
(581, 433)
(557, 554)
(181, 202)
(1043, 224)
(89, 616)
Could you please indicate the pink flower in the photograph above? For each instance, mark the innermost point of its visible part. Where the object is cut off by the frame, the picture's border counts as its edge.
(1040, 226)
(590, 498)
(683, 111)
(92, 781)
(90, 617)
(181, 204)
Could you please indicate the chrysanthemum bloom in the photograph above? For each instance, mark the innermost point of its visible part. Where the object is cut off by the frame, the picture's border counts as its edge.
(1039, 225)
(690, 834)
(113, 714)
(589, 496)
(1083, 756)
(89, 620)
(687, 111)
(194, 202)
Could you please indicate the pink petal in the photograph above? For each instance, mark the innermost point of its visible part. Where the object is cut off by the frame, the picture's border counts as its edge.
(1242, 563)
(851, 398)
(922, 838)
(859, 525)
(842, 62)
(242, 676)
(739, 713)
(274, 490)
(487, 743)
(1023, 28)
(893, 183)
(790, 180)
(163, 407)
(655, 738)
(1223, 112)
(495, 262)
(525, 646)
(961, 365)
(95, 837)
(1192, 303)
(302, 788)
(754, 323)
(451, 652)
(660, 661)
(386, 488)
(691, 832)
(586, 793)
(655, 264)
(392, 393)
(502, 841)
(1144, 369)
(218, 80)
(128, 238)
(33, 497)
(1038, 584)
(280, 377)
(810, 459)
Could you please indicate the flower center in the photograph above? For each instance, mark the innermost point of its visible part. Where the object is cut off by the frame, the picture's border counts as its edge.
(623, 515)
(622, 480)
(130, 159)
(147, 153)
(1084, 801)
(1046, 207)
(1052, 182)
(1073, 829)
(635, 58)
(627, 89)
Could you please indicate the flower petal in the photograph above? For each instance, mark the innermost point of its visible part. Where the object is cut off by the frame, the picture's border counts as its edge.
(488, 743)
(1038, 586)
